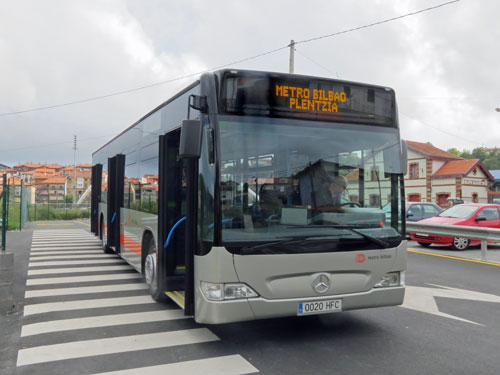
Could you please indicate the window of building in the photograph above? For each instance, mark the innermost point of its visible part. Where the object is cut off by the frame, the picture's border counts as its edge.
(441, 199)
(475, 198)
(414, 197)
(413, 170)
(374, 173)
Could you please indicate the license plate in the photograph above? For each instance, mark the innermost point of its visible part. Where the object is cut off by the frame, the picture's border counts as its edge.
(422, 234)
(319, 307)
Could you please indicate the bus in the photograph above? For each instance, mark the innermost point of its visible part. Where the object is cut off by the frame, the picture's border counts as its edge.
(221, 197)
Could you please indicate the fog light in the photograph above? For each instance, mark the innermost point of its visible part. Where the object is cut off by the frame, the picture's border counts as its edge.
(388, 280)
(212, 291)
(235, 291)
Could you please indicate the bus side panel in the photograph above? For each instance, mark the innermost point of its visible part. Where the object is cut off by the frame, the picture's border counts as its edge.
(131, 231)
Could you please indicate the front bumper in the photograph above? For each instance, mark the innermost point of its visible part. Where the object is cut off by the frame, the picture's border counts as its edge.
(217, 312)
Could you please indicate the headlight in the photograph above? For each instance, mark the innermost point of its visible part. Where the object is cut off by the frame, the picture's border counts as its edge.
(221, 291)
(390, 279)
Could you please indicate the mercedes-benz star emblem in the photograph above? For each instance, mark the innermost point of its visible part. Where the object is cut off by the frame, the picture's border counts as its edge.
(321, 283)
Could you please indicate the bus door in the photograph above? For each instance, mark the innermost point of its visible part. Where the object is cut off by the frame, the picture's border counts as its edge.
(95, 198)
(172, 217)
(116, 171)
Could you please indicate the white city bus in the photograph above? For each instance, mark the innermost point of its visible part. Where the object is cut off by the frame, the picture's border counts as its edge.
(220, 197)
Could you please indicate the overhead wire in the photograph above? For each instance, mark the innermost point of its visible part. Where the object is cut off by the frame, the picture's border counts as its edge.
(229, 64)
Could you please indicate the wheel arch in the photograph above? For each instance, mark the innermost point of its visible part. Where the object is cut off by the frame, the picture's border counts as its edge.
(147, 235)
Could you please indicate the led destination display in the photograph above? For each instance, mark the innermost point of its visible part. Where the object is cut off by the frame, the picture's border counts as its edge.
(283, 95)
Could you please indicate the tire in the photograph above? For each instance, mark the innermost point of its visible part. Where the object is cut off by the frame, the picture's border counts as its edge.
(460, 243)
(424, 244)
(105, 248)
(151, 271)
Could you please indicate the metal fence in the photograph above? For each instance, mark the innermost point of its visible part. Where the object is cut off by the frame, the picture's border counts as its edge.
(482, 234)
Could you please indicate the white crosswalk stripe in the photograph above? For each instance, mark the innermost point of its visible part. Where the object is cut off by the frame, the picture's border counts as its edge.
(87, 348)
(83, 290)
(41, 308)
(101, 321)
(226, 365)
(65, 328)
(58, 271)
(83, 279)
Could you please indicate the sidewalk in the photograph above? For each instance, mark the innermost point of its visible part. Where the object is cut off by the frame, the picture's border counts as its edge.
(474, 253)
(19, 243)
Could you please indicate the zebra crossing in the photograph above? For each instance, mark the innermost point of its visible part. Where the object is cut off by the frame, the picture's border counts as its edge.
(87, 312)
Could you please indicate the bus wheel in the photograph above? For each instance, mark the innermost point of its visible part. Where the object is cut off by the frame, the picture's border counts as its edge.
(460, 243)
(105, 248)
(151, 272)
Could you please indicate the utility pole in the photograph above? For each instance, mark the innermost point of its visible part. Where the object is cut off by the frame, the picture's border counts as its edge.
(292, 55)
(74, 168)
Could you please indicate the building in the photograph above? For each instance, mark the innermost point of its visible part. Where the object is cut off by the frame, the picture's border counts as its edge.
(494, 193)
(76, 187)
(435, 175)
(3, 167)
(15, 186)
(51, 190)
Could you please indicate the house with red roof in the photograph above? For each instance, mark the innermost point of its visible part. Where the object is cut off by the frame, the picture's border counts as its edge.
(435, 175)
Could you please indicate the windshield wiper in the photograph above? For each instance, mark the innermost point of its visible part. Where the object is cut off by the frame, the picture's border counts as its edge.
(375, 240)
(287, 240)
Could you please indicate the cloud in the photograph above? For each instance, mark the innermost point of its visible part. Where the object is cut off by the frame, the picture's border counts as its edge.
(56, 52)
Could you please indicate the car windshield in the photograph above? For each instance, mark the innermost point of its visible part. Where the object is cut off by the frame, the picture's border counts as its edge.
(287, 178)
(459, 212)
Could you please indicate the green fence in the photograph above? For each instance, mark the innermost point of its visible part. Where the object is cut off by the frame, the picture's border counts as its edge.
(58, 211)
(14, 203)
(16, 209)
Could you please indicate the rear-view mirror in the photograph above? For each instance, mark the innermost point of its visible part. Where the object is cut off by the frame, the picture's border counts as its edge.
(191, 133)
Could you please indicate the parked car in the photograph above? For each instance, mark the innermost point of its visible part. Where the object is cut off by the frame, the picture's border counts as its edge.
(469, 214)
(453, 201)
(415, 211)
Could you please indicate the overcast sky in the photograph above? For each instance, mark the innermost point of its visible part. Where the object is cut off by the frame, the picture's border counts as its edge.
(443, 64)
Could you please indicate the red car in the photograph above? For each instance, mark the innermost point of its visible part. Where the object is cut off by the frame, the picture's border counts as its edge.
(470, 214)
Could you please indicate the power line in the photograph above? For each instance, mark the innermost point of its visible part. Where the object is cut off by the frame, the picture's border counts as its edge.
(228, 64)
(378, 23)
(317, 63)
(443, 131)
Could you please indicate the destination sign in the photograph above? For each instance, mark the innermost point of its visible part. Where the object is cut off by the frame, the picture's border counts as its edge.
(284, 95)
(311, 100)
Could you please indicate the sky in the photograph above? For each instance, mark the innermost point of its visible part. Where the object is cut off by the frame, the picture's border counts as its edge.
(444, 64)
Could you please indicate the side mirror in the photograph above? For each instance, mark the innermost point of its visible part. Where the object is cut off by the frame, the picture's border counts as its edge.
(479, 218)
(191, 133)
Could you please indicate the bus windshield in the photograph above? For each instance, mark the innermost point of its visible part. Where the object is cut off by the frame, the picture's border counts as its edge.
(290, 185)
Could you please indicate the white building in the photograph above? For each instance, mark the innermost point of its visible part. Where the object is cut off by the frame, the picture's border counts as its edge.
(435, 175)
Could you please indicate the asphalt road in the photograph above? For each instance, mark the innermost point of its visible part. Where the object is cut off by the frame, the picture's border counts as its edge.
(449, 324)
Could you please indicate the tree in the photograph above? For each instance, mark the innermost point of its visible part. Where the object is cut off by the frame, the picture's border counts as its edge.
(479, 153)
(453, 151)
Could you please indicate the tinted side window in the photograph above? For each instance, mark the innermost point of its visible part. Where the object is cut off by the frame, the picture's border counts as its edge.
(490, 213)
(429, 210)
